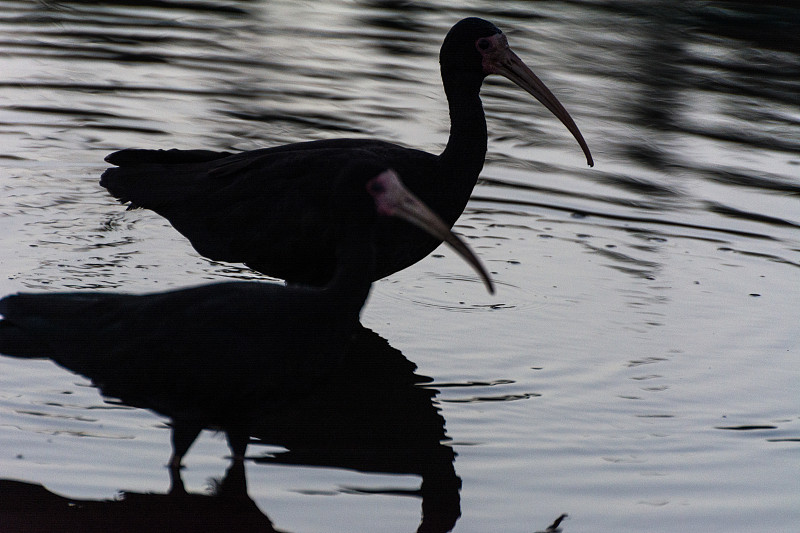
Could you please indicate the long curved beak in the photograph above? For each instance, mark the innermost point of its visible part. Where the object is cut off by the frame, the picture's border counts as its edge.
(393, 199)
(508, 64)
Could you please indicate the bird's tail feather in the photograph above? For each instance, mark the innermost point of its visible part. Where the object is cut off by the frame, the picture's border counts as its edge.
(136, 156)
(38, 325)
(17, 342)
(151, 178)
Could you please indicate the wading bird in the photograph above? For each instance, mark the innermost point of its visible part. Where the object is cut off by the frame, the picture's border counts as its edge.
(215, 348)
(268, 208)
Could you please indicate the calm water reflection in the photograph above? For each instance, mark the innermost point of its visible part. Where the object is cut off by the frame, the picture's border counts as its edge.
(31, 508)
(372, 413)
(638, 367)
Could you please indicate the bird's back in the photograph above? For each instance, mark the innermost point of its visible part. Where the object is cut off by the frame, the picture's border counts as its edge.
(210, 348)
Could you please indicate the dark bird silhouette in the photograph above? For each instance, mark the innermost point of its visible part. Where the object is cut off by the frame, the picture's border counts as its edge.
(191, 346)
(267, 208)
(31, 508)
(372, 414)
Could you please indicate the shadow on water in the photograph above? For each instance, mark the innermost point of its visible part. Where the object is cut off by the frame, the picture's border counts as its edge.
(28, 507)
(372, 414)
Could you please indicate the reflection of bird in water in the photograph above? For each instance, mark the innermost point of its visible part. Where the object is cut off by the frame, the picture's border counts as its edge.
(269, 208)
(372, 415)
(215, 348)
(29, 508)
(369, 414)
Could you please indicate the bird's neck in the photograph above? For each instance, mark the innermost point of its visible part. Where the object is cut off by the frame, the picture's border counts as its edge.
(466, 147)
(349, 291)
(351, 282)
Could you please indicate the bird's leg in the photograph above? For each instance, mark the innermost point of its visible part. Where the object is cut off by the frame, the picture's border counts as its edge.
(176, 487)
(234, 485)
(183, 435)
(237, 441)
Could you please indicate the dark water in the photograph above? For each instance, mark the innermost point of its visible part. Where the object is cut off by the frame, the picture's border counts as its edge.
(638, 367)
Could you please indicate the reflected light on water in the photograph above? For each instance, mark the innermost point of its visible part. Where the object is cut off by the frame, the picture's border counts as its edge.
(637, 367)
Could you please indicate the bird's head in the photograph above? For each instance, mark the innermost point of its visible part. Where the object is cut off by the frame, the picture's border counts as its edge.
(382, 194)
(475, 48)
(393, 199)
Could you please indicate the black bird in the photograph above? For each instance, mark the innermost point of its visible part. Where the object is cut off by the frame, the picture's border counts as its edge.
(195, 344)
(267, 208)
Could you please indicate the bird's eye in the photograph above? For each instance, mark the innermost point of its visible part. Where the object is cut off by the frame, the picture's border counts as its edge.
(484, 44)
(375, 187)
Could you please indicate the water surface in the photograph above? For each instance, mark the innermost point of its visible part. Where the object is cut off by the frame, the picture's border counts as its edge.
(637, 368)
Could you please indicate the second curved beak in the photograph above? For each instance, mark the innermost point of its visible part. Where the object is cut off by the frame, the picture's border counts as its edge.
(397, 201)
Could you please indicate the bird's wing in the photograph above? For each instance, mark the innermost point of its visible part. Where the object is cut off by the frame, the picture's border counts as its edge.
(267, 208)
(79, 326)
(199, 343)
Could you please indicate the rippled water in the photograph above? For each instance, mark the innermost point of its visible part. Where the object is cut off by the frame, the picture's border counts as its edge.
(638, 366)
